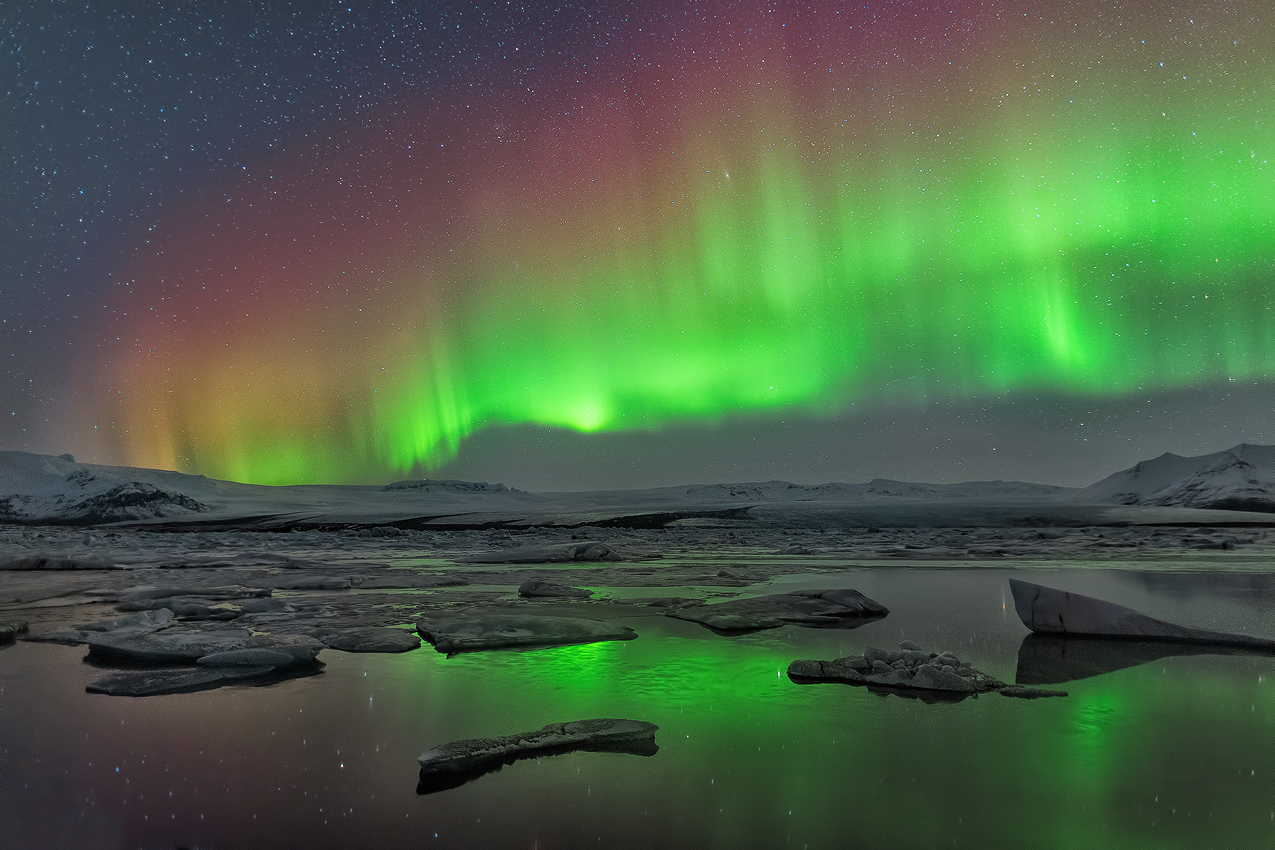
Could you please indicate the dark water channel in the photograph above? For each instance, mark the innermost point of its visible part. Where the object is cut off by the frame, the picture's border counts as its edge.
(1176, 752)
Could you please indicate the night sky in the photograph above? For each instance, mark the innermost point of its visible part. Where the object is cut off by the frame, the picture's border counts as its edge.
(610, 244)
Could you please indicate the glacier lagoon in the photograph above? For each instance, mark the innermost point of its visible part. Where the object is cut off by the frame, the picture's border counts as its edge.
(1173, 752)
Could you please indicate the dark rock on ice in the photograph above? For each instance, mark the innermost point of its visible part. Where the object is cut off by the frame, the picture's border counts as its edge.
(370, 639)
(533, 589)
(220, 657)
(794, 549)
(189, 609)
(218, 592)
(452, 765)
(264, 605)
(146, 683)
(258, 657)
(305, 582)
(852, 669)
(908, 671)
(302, 648)
(669, 602)
(1020, 692)
(146, 604)
(54, 562)
(409, 582)
(65, 635)
(728, 579)
(200, 603)
(132, 500)
(844, 608)
(500, 631)
(552, 554)
(175, 646)
(146, 621)
(430, 485)
(1047, 610)
(280, 651)
(931, 678)
(9, 632)
(186, 608)
(145, 598)
(381, 531)
(157, 682)
(169, 647)
(160, 618)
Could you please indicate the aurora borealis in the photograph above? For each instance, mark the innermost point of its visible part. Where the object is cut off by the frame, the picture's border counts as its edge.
(667, 214)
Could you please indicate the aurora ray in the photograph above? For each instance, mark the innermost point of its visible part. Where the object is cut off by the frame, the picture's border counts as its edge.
(785, 211)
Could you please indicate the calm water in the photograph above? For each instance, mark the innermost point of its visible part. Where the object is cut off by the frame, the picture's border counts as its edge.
(1179, 752)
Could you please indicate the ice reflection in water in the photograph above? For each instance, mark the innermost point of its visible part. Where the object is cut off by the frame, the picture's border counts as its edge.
(1171, 753)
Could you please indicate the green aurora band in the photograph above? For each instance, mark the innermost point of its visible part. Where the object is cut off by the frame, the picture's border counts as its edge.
(804, 253)
(1146, 266)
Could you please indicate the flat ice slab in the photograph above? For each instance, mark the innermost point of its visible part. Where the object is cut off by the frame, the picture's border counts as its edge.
(804, 607)
(500, 631)
(454, 764)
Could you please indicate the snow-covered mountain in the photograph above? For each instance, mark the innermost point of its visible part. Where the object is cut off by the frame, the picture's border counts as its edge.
(878, 489)
(40, 488)
(37, 489)
(1239, 479)
(58, 490)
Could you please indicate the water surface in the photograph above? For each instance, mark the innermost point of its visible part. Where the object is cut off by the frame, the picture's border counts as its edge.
(1179, 752)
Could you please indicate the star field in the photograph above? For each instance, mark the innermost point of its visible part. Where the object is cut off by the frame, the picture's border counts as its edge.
(346, 242)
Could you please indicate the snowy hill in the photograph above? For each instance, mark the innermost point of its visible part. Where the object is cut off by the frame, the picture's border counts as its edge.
(877, 489)
(1239, 479)
(40, 489)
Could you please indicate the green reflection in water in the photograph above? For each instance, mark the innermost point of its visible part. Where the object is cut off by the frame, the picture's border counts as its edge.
(1173, 754)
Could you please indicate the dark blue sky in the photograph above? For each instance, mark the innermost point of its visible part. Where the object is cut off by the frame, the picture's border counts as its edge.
(115, 113)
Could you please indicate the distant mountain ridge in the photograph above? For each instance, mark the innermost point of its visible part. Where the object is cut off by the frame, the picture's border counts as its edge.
(42, 489)
(1238, 479)
(46, 489)
(877, 488)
